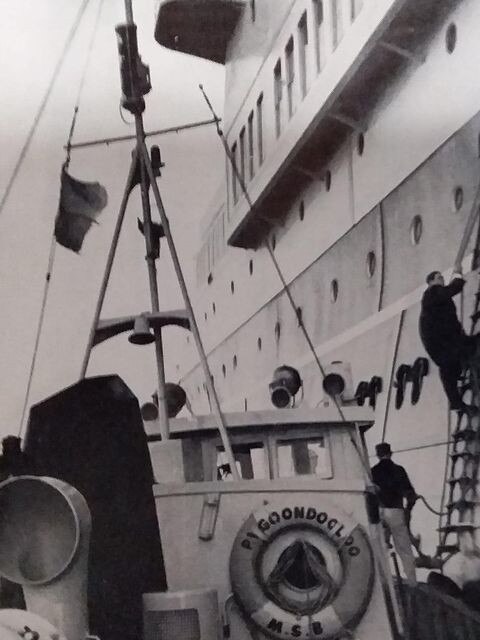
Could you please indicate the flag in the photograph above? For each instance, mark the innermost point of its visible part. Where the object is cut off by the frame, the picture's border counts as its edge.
(79, 206)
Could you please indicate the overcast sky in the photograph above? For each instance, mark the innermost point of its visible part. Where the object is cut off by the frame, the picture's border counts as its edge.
(32, 36)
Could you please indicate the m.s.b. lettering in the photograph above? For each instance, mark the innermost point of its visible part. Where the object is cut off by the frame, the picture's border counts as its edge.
(275, 625)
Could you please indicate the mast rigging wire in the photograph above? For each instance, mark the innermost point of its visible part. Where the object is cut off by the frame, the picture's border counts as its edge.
(285, 285)
(43, 104)
(53, 242)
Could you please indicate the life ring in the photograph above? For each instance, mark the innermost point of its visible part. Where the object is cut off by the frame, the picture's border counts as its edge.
(337, 577)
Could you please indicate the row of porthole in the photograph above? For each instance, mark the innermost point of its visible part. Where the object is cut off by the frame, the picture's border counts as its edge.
(416, 231)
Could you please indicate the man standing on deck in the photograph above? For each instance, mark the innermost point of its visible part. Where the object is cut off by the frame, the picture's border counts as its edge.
(443, 336)
(395, 487)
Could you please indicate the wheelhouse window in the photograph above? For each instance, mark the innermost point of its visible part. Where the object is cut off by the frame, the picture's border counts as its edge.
(290, 75)
(260, 129)
(303, 53)
(278, 94)
(318, 21)
(234, 173)
(250, 459)
(303, 457)
(251, 159)
(337, 22)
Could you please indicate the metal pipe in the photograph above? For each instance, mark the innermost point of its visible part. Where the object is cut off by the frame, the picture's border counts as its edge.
(193, 323)
(108, 266)
(157, 132)
(152, 277)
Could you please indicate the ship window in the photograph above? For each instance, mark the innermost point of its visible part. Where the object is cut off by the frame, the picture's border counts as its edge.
(301, 210)
(337, 22)
(416, 230)
(360, 143)
(259, 344)
(328, 180)
(214, 308)
(318, 17)
(251, 164)
(278, 93)
(290, 75)
(260, 129)
(245, 404)
(278, 330)
(205, 316)
(303, 457)
(242, 153)
(224, 371)
(355, 8)
(250, 460)
(210, 278)
(302, 52)
(334, 290)
(371, 263)
(451, 37)
(232, 286)
(458, 198)
(250, 267)
(234, 173)
(235, 361)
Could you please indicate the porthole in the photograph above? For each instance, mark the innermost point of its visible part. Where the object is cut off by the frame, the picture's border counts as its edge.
(274, 242)
(334, 290)
(250, 267)
(235, 361)
(458, 198)
(214, 308)
(224, 371)
(205, 316)
(301, 210)
(259, 344)
(451, 37)
(210, 278)
(371, 263)
(299, 313)
(277, 331)
(360, 143)
(416, 230)
(232, 286)
(328, 180)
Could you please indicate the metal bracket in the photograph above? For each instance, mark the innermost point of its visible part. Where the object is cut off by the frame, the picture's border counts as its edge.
(403, 53)
(319, 176)
(348, 121)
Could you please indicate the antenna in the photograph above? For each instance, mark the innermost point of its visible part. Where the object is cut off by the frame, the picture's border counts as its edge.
(135, 82)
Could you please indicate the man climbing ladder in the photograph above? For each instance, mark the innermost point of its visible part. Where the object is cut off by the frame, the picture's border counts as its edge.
(443, 336)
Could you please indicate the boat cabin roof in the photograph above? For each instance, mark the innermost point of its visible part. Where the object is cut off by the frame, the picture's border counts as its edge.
(362, 417)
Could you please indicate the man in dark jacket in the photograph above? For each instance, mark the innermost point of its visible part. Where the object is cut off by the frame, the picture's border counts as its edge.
(443, 336)
(394, 487)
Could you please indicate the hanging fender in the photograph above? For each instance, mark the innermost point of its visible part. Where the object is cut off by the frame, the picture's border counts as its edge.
(275, 530)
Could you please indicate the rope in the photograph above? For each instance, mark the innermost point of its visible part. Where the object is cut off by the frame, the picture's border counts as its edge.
(43, 104)
(82, 82)
(51, 259)
(430, 508)
(53, 243)
(285, 285)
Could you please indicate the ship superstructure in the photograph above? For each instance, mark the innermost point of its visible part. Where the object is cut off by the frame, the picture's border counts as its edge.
(355, 127)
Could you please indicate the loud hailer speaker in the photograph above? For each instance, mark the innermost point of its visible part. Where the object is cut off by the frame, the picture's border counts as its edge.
(91, 435)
